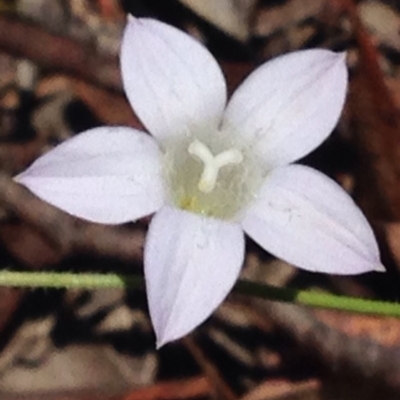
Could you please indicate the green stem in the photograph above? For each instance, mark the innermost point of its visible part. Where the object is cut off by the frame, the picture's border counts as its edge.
(68, 280)
(319, 299)
(101, 281)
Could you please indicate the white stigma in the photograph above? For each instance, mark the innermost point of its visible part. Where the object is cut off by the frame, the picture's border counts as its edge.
(212, 164)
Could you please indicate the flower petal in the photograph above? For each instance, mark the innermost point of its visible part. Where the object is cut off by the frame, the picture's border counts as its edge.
(171, 80)
(105, 175)
(191, 264)
(305, 218)
(288, 106)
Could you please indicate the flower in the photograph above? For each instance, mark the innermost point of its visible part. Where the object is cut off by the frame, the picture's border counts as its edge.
(212, 171)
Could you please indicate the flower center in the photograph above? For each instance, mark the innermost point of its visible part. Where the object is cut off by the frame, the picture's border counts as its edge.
(212, 164)
(211, 174)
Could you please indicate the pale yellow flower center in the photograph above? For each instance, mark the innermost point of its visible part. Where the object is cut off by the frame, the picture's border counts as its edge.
(211, 175)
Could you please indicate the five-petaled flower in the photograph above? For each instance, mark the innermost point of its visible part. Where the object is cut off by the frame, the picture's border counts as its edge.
(212, 171)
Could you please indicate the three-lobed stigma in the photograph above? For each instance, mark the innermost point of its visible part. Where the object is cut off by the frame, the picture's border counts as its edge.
(212, 164)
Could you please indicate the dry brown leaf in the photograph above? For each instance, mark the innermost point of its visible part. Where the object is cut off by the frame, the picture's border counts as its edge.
(377, 125)
(231, 16)
(383, 330)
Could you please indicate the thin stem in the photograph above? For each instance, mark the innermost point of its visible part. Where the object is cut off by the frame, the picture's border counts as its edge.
(68, 280)
(103, 281)
(319, 299)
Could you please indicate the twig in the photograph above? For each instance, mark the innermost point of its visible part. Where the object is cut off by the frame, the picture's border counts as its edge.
(339, 353)
(26, 40)
(222, 389)
(174, 390)
(280, 389)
